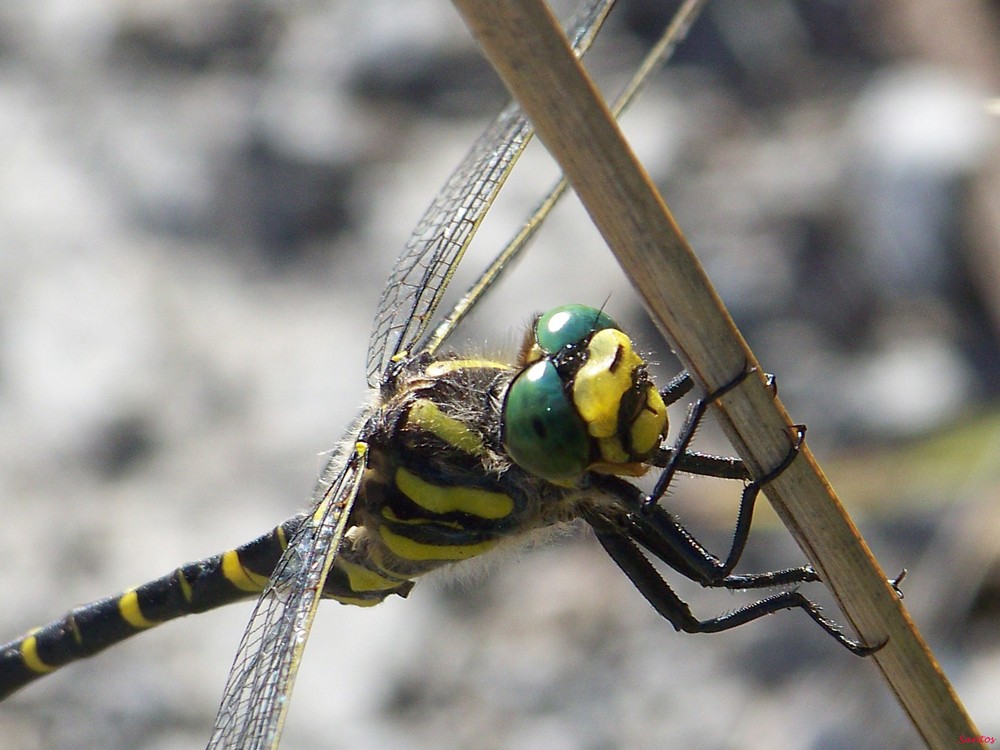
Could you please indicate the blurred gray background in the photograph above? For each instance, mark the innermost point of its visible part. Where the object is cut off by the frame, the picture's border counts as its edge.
(200, 204)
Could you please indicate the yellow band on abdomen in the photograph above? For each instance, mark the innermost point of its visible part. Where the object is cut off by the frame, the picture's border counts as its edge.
(239, 576)
(29, 653)
(128, 607)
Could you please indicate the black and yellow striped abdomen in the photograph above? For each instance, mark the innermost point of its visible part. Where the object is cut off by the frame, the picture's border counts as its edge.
(236, 574)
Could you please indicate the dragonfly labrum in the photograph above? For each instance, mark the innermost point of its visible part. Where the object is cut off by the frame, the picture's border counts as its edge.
(458, 455)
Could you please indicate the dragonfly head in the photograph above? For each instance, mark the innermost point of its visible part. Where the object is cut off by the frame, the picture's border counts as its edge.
(583, 400)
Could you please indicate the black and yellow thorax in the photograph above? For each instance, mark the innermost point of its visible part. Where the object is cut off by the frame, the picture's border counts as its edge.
(466, 453)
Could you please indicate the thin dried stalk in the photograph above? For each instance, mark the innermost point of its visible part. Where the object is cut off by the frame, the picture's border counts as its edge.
(526, 46)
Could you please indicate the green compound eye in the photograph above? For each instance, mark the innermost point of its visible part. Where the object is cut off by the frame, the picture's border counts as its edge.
(542, 431)
(569, 324)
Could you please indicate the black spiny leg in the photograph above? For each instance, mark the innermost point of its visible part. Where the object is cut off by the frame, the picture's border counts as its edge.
(703, 464)
(659, 532)
(640, 520)
(693, 462)
(672, 608)
(676, 389)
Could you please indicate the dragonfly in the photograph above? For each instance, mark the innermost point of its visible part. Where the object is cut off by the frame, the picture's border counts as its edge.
(457, 455)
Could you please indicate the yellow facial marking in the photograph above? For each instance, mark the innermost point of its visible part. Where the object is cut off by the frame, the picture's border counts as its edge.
(612, 451)
(239, 576)
(431, 497)
(29, 653)
(445, 366)
(417, 551)
(602, 381)
(649, 425)
(428, 416)
(128, 607)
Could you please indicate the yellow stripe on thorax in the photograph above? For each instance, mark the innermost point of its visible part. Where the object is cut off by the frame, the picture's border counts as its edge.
(29, 653)
(389, 515)
(239, 576)
(437, 499)
(128, 607)
(418, 551)
(428, 416)
(445, 366)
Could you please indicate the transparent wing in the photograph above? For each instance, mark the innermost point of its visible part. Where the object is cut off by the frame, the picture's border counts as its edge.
(259, 686)
(436, 246)
(658, 55)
